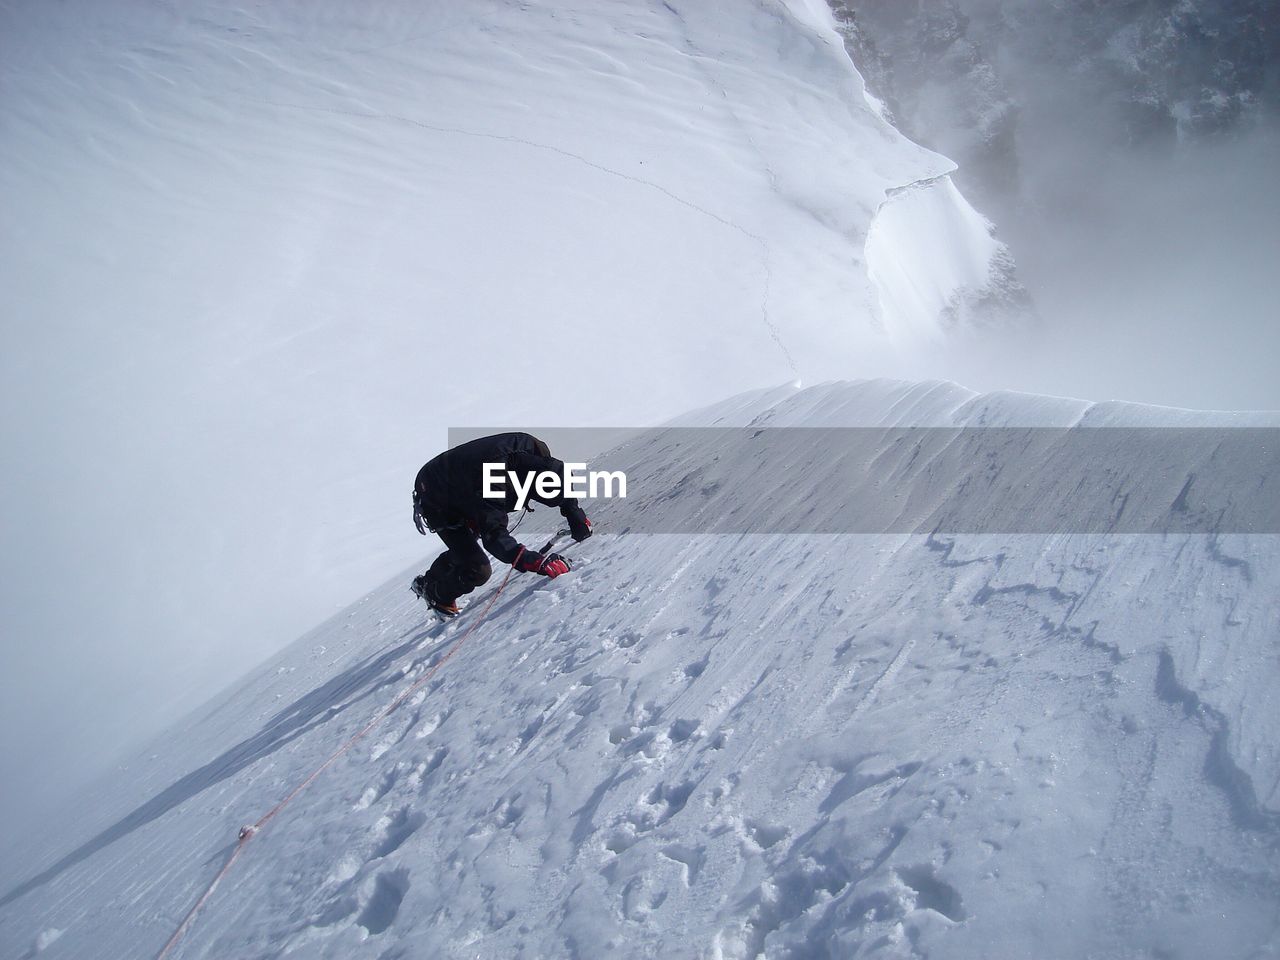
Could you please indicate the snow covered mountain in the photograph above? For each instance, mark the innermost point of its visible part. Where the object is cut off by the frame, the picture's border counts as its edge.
(970, 745)
(258, 258)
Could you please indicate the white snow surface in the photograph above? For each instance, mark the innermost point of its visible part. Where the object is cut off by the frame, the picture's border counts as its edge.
(928, 222)
(731, 747)
(258, 257)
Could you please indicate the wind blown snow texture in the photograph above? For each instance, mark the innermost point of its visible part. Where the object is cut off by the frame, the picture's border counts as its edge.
(257, 259)
(728, 747)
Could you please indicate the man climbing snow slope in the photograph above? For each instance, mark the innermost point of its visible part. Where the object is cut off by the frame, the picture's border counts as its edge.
(448, 499)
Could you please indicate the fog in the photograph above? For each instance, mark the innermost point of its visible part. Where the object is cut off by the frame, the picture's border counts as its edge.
(1151, 263)
(1152, 274)
(1169, 268)
(1127, 155)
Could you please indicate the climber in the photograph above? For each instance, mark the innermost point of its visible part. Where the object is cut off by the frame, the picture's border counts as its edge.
(448, 499)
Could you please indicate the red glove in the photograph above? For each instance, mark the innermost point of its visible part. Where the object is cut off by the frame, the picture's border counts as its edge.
(552, 565)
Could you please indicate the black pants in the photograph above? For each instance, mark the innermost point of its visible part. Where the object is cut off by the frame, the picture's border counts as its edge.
(461, 568)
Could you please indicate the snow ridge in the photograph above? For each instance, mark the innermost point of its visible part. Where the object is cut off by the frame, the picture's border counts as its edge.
(735, 746)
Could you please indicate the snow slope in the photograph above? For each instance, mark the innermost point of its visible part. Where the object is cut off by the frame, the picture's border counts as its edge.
(931, 222)
(257, 258)
(733, 746)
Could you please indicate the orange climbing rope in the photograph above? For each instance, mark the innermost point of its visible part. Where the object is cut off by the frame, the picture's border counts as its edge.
(247, 833)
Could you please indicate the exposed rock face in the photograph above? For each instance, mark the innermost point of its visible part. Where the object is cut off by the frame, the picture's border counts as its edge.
(968, 77)
(939, 83)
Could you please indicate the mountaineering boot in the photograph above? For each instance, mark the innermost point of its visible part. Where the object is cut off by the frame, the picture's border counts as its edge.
(423, 589)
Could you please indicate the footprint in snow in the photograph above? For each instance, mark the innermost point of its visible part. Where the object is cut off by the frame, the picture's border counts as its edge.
(376, 791)
(509, 811)
(639, 899)
(691, 857)
(682, 730)
(694, 670)
(933, 893)
(383, 897)
(393, 830)
(393, 738)
(763, 835)
(660, 804)
(423, 770)
(431, 725)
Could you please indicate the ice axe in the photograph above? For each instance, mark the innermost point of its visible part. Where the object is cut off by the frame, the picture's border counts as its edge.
(559, 535)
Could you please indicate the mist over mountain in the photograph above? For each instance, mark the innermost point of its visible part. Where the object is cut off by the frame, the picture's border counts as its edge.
(981, 79)
(1123, 150)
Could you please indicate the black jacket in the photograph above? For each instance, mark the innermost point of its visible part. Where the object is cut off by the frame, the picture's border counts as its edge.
(448, 492)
